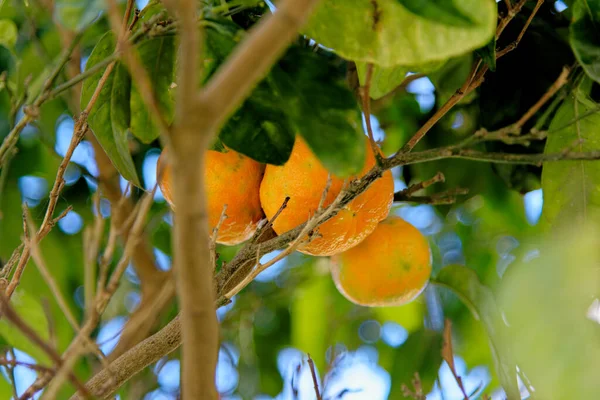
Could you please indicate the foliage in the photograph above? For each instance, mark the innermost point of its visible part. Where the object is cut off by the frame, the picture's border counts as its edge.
(521, 295)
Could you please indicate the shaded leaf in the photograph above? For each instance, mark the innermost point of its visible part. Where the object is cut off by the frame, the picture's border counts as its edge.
(298, 96)
(26, 305)
(585, 36)
(8, 33)
(77, 14)
(260, 128)
(158, 57)
(440, 11)
(109, 118)
(450, 77)
(570, 188)
(420, 353)
(488, 54)
(386, 33)
(322, 110)
(480, 300)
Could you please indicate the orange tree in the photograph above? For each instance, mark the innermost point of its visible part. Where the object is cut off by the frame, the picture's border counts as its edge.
(358, 180)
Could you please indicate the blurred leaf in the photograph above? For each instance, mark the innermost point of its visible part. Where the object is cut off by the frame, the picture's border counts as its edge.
(464, 282)
(420, 353)
(385, 33)
(386, 79)
(322, 110)
(109, 118)
(5, 387)
(488, 54)
(551, 304)
(8, 33)
(571, 187)
(585, 36)
(310, 322)
(158, 57)
(450, 77)
(161, 238)
(410, 315)
(77, 14)
(28, 307)
(440, 11)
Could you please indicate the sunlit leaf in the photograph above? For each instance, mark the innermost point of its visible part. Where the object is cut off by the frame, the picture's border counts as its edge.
(386, 33)
(8, 33)
(385, 80)
(109, 118)
(480, 300)
(551, 303)
(309, 321)
(571, 190)
(158, 56)
(440, 11)
(585, 36)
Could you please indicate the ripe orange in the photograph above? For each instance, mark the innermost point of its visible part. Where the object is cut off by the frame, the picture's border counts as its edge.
(230, 178)
(391, 267)
(303, 178)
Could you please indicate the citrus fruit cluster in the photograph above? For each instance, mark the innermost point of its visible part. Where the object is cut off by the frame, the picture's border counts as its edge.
(376, 260)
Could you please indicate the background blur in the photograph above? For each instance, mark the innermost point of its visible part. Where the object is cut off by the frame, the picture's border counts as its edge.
(294, 308)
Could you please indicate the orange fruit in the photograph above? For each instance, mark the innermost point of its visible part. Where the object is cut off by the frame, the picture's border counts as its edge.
(303, 178)
(230, 178)
(391, 267)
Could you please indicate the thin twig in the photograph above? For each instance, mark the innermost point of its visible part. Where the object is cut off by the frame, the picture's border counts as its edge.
(439, 177)
(452, 101)
(555, 87)
(11, 315)
(313, 373)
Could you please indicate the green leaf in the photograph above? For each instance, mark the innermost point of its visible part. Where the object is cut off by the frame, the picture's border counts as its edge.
(488, 54)
(158, 57)
(420, 353)
(585, 36)
(440, 11)
(309, 324)
(8, 33)
(260, 128)
(571, 187)
(480, 300)
(298, 96)
(75, 15)
(26, 305)
(547, 301)
(109, 118)
(450, 77)
(384, 32)
(322, 110)
(386, 79)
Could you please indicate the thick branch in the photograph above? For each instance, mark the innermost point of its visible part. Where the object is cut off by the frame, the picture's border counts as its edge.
(193, 272)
